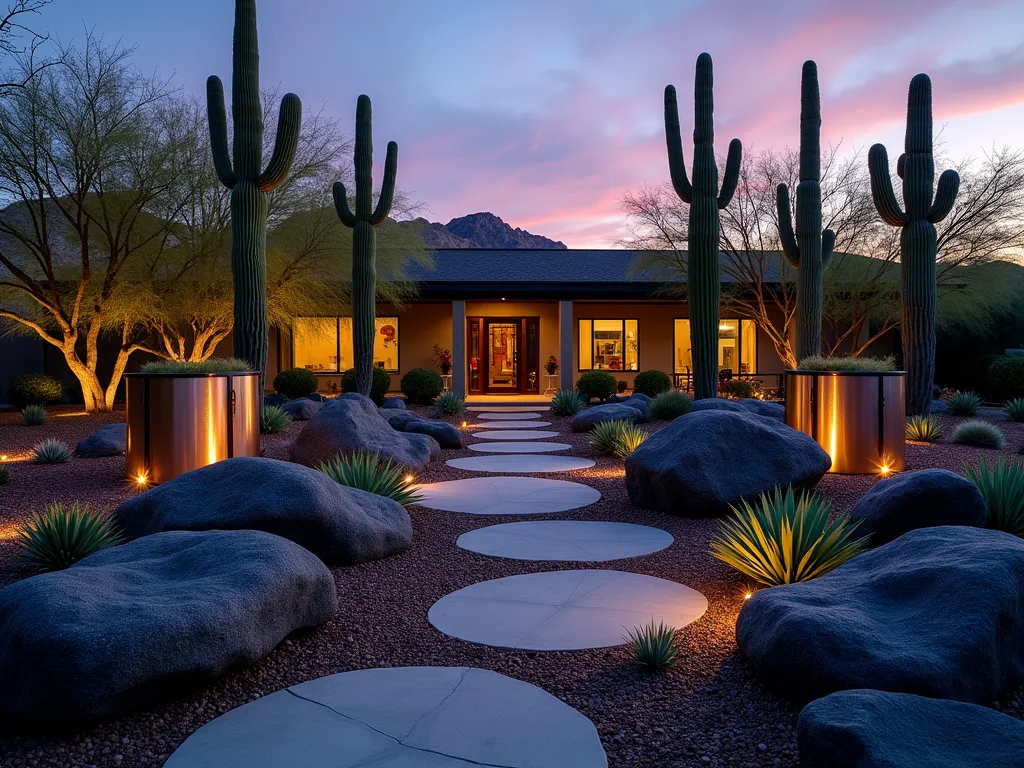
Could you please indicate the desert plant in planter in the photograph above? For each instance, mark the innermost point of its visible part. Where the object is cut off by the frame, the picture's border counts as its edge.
(367, 472)
(596, 384)
(670, 405)
(294, 383)
(567, 402)
(63, 535)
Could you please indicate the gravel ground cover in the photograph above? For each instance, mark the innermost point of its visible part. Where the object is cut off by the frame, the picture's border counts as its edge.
(708, 710)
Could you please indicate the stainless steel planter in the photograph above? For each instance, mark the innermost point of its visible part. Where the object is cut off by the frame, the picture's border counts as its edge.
(180, 422)
(858, 417)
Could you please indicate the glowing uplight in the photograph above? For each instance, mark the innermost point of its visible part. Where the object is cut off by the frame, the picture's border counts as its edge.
(465, 423)
(884, 466)
(409, 479)
(748, 595)
(141, 480)
(3, 457)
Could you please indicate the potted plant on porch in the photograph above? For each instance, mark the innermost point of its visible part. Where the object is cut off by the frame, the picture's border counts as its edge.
(443, 359)
(551, 366)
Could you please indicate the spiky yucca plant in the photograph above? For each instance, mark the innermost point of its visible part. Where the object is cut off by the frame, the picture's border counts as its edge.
(786, 538)
(566, 402)
(34, 415)
(63, 535)
(979, 434)
(630, 438)
(653, 646)
(924, 429)
(365, 471)
(51, 451)
(1014, 409)
(273, 419)
(964, 403)
(670, 405)
(1002, 487)
(449, 404)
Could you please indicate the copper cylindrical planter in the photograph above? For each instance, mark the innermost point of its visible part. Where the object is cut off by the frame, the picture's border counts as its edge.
(178, 422)
(858, 417)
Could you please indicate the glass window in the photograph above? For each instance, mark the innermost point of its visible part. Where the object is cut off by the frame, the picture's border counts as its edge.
(737, 346)
(611, 345)
(729, 345)
(748, 346)
(325, 343)
(683, 353)
(586, 345)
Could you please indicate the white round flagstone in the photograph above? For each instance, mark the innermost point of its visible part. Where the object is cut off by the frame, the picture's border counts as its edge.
(577, 540)
(516, 424)
(507, 495)
(496, 408)
(518, 446)
(514, 434)
(514, 416)
(427, 717)
(521, 463)
(564, 610)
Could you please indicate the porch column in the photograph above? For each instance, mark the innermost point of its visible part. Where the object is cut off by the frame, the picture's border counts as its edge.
(566, 347)
(459, 348)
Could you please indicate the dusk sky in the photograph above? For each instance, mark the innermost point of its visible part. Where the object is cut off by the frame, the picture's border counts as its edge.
(545, 113)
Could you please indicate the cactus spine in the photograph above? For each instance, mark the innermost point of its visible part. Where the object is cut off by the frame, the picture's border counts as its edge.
(241, 173)
(810, 249)
(705, 200)
(916, 166)
(364, 239)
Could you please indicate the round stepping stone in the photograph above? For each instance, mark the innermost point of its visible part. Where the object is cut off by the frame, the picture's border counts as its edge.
(507, 408)
(430, 717)
(517, 416)
(518, 446)
(563, 610)
(521, 463)
(579, 540)
(514, 434)
(507, 495)
(516, 424)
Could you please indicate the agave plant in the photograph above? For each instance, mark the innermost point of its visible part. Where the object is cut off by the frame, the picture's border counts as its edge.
(653, 646)
(1002, 487)
(979, 434)
(566, 402)
(365, 471)
(63, 535)
(670, 405)
(34, 415)
(449, 404)
(273, 419)
(786, 538)
(1014, 409)
(964, 403)
(51, 451)
(924, 429)
(629, 439)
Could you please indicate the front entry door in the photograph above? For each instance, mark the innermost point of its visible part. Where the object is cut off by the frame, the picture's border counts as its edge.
(503, 354)
(501, 360)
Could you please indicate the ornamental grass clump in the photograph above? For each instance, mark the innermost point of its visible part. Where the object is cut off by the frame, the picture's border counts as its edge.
(786, 538)
(1001, 485)
(273, 419)
(51, 451)
(670, 405)
(964, 404)
(213, 365)
(567, 402)
(34, 415)
(924, 429)
(63, 535)
(617, 438)
(1014, 409)
(840, 364)
(979, 434)
(630, 438)
(653, 646)
(449, 404)
(365, 470)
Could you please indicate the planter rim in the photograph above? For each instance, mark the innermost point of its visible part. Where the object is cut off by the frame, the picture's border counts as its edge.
(192, 375)
(797, 372)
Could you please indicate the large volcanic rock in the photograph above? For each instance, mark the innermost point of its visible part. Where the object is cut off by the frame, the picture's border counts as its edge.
(702, 463)
(764, 408)
(938, 612)
(129, 626)
(108, 440)
(351, 423)
(588, 418)
(718, 404)
(857, 729)
(447, 435)
(302, 409)
(339, 524)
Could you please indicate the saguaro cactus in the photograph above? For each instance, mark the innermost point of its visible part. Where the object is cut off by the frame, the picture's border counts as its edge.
(916, 166)
(705, 200)
(810, 249)
(249, 186)
(364, 239)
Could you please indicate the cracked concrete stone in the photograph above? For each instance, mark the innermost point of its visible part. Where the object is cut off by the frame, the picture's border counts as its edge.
(576, 540)
(514, 434)
(405, 717)
(521, 463)
(519, 446)
(507, 495)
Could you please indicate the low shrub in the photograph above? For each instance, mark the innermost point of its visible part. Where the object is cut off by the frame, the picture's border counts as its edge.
(1001, 485)
(213, 365)
(819, 363)
(652, 383)
(273, 420)
(924, 429)
(617, 438)
(34, 415)
(449, 404)
(786, 538)
(34, 389)
(365, 471)
(739, 388)
(421, 386)
(378, 387)
(1006, 378)
(566, 402)
(63, 535)
(670, 405)
(599, 384)
(294, 383)
(653, 646)
(1014, 409)
(964, 404)
(979, 434)
(51, 451)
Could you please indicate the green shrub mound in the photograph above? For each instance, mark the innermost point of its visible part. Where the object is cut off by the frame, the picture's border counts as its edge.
(449, 404)
(599, 384)
(34, 389)
(365, 470)
(1001, 485)
(378, 388)
(964, 404)
(1014, 409)
(875, 364)
(739, 389)
(34, 415)
(670, 405)
(654, 647)
(1006, 378)
(421, 386)
(979, 434)
(63, 535)
(213, 365)
(923, 429)
(566, 402)
(652, 383)
(273, 420)
(294, 383)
